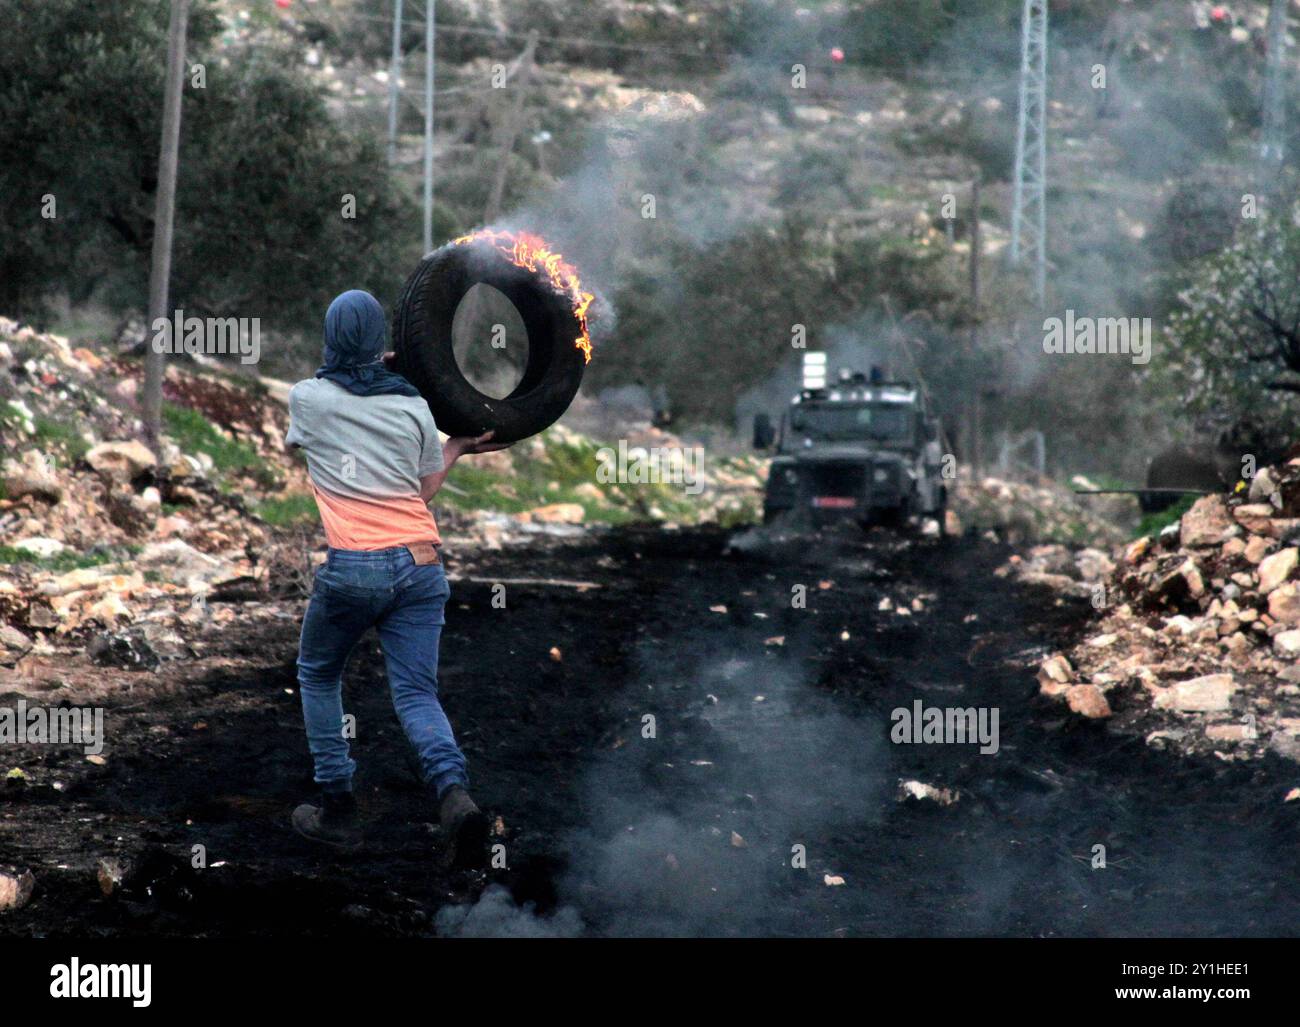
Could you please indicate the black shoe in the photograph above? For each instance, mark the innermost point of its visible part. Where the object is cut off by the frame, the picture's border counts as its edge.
(465, 829)
(334, 823)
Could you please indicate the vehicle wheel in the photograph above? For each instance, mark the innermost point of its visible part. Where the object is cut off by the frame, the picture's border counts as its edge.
(897, 517)
(423, 341)
(893, 517)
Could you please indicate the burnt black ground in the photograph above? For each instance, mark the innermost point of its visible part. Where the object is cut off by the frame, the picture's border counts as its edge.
(691, 831)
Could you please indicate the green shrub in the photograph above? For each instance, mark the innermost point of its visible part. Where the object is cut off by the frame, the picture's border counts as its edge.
(194, 433)
(1155, 523)
(58, 433)
(69, 559)
(284, 511)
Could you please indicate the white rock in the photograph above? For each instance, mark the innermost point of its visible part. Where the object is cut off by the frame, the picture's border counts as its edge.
(180, 563)
(121, 461)
(920, 791)
(16, 889)
(1275, 569)
(31, 475)
(1284, 603)
(40, 547)
(1287, 643)
(1199, 695)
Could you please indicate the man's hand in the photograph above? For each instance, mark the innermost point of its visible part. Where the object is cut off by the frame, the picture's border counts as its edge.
(390, 360)
(467, 446)
(453, 449)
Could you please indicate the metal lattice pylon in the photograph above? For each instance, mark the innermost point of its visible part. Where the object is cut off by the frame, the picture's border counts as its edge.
(1029, 204)
(1272, 147)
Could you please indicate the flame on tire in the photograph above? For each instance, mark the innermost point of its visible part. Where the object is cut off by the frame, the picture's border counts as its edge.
(523, 249)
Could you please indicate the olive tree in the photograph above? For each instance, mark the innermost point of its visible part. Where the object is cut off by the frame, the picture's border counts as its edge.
(1235, 335)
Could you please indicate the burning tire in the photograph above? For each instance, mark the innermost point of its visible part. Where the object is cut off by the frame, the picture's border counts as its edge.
(544, 290)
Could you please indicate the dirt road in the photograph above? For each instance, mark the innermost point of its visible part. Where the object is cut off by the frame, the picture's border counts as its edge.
(677, 771)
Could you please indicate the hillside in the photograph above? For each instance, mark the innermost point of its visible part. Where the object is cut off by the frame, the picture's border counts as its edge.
(789, 188)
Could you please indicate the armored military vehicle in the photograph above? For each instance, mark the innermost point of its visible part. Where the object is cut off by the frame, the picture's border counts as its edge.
(861, 448)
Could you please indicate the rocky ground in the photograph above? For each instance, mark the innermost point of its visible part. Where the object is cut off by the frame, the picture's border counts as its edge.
(1197, 629)
(666, 745)
(169, 594)
(1025, 513)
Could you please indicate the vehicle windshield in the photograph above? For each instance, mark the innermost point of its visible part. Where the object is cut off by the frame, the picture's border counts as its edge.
(846, 422)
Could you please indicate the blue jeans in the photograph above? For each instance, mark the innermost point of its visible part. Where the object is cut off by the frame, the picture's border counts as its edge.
(387, 590)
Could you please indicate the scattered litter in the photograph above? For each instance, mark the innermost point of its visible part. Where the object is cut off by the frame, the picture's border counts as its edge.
(16, 888)
(919, 791)
(110, 873)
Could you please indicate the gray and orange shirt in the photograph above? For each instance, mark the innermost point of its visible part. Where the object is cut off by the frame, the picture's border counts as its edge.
(366, 456)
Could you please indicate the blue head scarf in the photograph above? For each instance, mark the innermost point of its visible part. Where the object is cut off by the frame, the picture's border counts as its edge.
(355, 332)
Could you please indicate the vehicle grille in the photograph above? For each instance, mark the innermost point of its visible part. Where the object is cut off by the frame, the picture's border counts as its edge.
(839, 480)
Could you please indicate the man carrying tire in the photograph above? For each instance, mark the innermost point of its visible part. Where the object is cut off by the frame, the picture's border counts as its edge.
(375, 461)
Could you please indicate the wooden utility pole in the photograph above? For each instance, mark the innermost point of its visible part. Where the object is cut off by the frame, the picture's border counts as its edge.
(394, 77)
(164, 208)
(493, 207)
(975, 245)
(977, 410)
(428, 125)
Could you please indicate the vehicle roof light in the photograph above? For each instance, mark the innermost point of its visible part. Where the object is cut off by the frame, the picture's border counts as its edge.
(814, 370)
